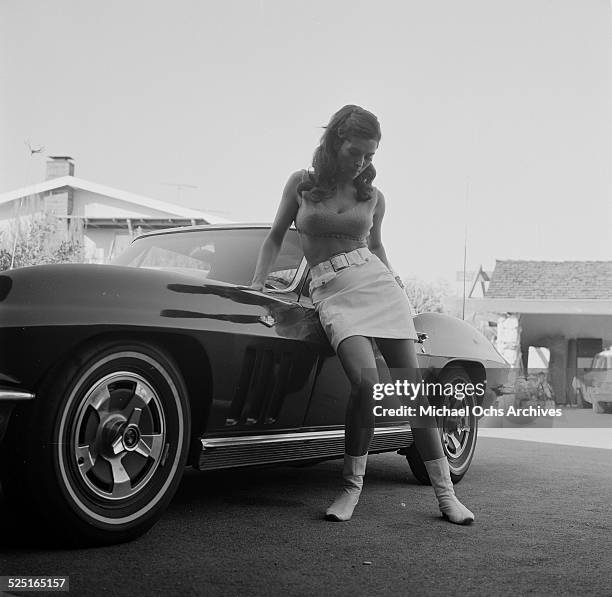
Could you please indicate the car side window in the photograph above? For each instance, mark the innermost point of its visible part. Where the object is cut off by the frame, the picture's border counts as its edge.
(227, 255)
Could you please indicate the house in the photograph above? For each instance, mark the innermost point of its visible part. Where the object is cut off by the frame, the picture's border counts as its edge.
(104, 219)
(562, 306)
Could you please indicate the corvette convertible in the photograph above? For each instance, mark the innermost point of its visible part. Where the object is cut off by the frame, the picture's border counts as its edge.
(114, 378)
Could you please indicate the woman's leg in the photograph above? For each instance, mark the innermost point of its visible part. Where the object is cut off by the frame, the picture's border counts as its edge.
(357, 358)
(401, 354)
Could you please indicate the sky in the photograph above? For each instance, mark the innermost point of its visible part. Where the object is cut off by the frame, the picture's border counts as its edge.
(496, 115)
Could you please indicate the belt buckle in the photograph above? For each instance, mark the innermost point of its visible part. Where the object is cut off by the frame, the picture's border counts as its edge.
(339, 261)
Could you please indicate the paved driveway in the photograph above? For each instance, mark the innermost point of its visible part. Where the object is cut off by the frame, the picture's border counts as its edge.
(576, 427)
(542, 528)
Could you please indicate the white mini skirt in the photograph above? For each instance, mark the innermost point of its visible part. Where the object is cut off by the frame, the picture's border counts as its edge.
(362, 300)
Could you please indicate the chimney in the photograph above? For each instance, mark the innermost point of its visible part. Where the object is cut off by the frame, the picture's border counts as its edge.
(60, 200)
(59, 165)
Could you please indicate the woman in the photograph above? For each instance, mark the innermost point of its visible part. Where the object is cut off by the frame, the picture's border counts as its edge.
(338, 214)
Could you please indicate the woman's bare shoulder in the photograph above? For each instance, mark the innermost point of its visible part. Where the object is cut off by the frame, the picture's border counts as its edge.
(291, 186)
(299, 175)
(295, 179)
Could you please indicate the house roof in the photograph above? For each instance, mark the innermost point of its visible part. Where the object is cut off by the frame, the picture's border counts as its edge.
(551, 280)
(79, 183)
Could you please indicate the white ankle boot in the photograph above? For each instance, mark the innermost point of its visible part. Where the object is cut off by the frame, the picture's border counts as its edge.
(452, 509)
(352, 473)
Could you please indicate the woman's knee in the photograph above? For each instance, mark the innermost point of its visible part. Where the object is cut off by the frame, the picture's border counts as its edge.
(363, 385)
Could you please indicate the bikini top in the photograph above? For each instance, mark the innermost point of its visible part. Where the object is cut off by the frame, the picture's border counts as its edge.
(316, 218)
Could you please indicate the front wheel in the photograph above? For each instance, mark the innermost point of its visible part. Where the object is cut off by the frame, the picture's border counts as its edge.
(458, 434)
(102, 449)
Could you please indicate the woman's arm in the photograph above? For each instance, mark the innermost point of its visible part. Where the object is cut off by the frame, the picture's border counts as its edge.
(375, 239)
(273, 242)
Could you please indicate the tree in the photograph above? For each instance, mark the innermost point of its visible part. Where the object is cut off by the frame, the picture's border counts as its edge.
(427, 297)
(40, 240)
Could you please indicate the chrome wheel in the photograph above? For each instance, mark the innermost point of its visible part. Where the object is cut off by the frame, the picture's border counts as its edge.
(107, 443)
(457, 433)
(119, 435)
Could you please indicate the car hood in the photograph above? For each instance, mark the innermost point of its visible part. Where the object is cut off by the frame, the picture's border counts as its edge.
(83, 287)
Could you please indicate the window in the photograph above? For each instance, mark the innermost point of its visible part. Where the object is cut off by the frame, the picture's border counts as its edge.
(227, 255)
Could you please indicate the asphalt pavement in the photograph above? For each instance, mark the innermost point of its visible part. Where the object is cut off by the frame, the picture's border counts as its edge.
(543, 527)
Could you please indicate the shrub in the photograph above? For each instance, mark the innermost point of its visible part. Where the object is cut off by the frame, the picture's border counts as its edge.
(427, 297)
(40, 240)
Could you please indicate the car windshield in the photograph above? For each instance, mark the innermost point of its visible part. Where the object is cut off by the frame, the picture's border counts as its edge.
(219, 254)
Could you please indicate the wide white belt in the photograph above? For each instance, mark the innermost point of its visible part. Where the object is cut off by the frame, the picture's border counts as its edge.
(341, 261)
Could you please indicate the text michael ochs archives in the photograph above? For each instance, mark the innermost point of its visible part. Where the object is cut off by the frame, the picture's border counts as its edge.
(458, 391)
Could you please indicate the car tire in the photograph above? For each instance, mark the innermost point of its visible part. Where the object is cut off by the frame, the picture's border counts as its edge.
(101, 450)
(458, 436)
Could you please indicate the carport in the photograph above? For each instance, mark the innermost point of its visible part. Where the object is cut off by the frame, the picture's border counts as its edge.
(565, 306)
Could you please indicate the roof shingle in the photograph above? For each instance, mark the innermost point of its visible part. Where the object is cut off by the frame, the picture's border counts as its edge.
(552, 280)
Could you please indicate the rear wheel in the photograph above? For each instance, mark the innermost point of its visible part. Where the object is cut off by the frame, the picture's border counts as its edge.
(458, 434)
(100, 452)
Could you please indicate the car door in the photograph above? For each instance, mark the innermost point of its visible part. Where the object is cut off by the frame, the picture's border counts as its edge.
(265, 374)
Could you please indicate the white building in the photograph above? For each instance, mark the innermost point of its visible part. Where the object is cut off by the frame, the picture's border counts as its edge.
(102, 218)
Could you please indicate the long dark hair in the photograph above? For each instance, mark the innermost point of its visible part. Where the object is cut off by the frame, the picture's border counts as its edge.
(349, 121)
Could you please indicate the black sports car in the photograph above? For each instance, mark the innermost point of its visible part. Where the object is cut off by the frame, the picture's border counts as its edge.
(114, 377)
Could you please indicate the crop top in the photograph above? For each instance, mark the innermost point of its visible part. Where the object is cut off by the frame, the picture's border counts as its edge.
(315, 218)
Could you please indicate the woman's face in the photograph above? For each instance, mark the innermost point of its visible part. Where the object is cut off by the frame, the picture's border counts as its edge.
(355, 155)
